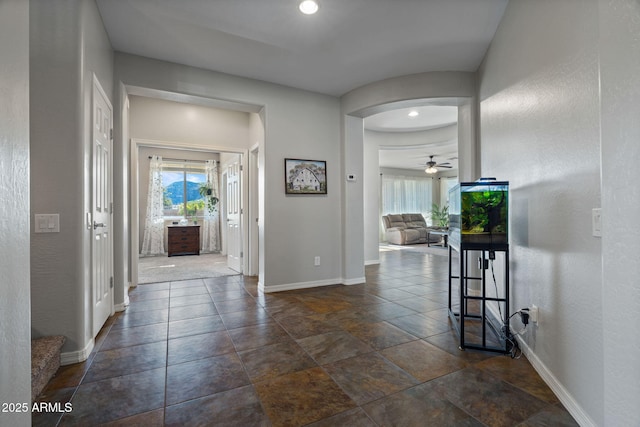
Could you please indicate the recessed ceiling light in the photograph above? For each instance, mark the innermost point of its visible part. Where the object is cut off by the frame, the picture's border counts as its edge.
(414, 113)
(308, 7)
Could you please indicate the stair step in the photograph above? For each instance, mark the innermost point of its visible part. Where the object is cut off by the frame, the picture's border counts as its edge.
(45, 361)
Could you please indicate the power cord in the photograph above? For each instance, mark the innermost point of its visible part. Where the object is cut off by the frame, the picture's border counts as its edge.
(515, 351)
(492, 256)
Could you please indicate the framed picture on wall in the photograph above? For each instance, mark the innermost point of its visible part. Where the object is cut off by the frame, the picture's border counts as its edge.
(305, 176)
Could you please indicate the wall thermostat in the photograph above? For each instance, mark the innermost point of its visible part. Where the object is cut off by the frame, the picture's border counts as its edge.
(351, 177)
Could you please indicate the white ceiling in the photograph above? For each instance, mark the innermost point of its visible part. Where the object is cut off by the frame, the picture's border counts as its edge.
(347, 44)
(429, 117)
(416, 158)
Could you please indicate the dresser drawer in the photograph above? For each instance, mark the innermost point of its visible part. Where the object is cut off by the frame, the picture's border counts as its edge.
(184, 240)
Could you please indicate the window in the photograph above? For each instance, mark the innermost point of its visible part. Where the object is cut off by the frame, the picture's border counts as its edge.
(406, 194)
(181, 183)
(446, 184)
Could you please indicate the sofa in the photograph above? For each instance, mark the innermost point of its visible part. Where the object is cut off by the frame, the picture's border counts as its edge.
(408, 229)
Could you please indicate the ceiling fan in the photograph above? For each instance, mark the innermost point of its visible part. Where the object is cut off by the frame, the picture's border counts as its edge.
(432, 166)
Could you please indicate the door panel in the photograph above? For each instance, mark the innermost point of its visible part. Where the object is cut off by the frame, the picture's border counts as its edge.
(234, 211)
(101, 259)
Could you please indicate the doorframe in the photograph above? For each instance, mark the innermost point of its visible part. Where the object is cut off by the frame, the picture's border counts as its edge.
(136, 143)
(253, 211)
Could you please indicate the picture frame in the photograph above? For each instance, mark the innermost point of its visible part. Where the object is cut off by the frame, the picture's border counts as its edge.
(305, 176)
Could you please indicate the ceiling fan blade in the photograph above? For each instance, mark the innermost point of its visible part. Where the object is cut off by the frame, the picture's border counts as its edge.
(444, 164)
(441, 166)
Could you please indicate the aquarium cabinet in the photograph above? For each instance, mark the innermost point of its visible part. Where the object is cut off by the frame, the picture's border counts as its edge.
(478, 215)
(478, 236)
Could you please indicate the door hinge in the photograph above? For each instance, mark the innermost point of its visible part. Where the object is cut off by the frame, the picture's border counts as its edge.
(111, 208)
(241, 254)
(111, 282)
(111, 133)
(241, 168)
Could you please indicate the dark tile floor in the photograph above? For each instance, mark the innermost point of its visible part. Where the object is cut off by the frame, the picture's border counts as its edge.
(216, 352)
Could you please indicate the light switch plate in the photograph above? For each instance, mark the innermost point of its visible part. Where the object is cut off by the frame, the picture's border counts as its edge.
(47, 223)
(596, 222)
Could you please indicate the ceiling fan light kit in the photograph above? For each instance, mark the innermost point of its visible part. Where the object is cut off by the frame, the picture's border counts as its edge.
(432, 166)
(431, 169)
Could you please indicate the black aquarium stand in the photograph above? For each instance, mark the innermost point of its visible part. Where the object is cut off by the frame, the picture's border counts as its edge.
(481, 321)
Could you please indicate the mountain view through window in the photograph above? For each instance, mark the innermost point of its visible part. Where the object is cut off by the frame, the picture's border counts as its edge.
(182, 196)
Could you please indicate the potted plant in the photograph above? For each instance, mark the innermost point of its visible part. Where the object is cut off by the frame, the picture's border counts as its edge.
(440, 216)
(206, 191)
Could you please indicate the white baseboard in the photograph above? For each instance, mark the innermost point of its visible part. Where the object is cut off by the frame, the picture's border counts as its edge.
(576, 411)
(300, 285)
(122, 306)
(72, 357)
(306, 285)
(547, 376)
(372, 262)
(356, 281)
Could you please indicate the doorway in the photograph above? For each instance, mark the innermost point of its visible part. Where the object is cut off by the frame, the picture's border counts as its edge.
(207, 263)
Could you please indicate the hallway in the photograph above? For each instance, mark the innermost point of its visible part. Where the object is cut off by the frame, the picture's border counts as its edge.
(216, 352)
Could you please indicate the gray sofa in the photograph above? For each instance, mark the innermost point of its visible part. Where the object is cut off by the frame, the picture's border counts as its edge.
(408, 229)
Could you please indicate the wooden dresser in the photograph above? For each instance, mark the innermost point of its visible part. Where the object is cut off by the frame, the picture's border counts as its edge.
(184, 240)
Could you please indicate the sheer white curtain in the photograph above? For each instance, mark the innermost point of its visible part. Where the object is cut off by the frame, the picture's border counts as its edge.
(406, 194)
(153, 241)
(211, 223)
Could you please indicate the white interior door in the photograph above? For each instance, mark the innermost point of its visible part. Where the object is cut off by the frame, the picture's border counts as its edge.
(101, 247)
(234, 213)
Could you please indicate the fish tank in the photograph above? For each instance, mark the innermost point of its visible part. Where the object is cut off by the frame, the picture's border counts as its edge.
(479, 215)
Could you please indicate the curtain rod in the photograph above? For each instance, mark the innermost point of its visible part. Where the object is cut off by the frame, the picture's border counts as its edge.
(186, 160)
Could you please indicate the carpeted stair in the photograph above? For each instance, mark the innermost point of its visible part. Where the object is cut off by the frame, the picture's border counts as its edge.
(45, 361)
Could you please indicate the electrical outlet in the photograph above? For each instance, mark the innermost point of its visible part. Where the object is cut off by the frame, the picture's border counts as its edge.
(316, 261)
(533, 313)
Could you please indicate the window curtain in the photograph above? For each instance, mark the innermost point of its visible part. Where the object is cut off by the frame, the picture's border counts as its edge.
(153, 240)
(406, 194)
(211, 223)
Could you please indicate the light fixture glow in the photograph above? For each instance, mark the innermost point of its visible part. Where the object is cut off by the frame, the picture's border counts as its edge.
(308, 7)
(414, 113)
(431, 169)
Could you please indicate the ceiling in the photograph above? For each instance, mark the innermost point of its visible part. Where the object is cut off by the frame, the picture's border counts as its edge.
(347, 44)
(402, 119)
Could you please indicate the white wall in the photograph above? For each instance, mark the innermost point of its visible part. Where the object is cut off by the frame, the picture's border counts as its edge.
(15, 316)
(67, 45)
(539, 106)
(620, 85)
(298, 124)
(372, 219)
(256, 140)
(157, 119)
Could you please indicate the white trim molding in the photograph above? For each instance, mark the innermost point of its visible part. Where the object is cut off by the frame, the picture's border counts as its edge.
(372, 262)
(356, 281)
(563, 395)
(306, 285)
(71, 357)
(123, 306)
(299, 285)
